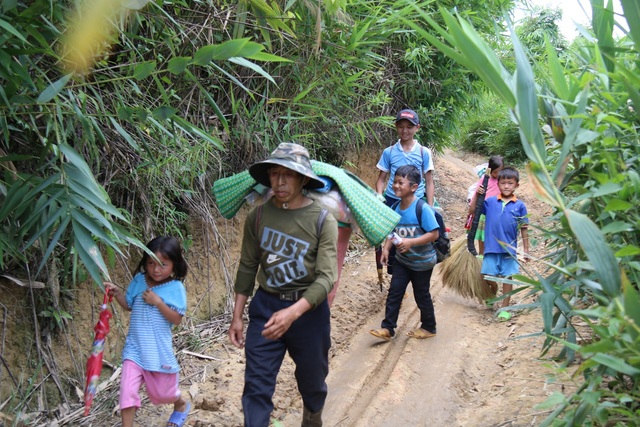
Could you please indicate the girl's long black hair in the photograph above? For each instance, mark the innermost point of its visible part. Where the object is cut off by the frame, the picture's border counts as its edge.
(169, 247)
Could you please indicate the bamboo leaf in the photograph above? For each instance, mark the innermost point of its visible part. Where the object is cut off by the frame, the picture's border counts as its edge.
(164, 113)
(124, 134)
(54, 89)
(255, 67)
(615, 363)
(226, 50)
(92, 226)
(144, 70)
(89, 253)
(60, 230)
(197, 131)
(628, 250)
(12, 30)
(267, 57)
(178, 64)
(46, 226)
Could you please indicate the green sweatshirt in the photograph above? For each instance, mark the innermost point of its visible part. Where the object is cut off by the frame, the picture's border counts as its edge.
(287, 250)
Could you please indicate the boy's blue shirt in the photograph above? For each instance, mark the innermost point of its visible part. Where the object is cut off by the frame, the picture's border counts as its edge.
(393, 157)
(423, 257)
(504, 218)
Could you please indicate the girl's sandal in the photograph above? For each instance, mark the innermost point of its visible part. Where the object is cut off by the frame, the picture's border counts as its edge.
(177, 419)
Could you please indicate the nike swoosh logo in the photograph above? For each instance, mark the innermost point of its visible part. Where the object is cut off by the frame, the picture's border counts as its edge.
(272, 258)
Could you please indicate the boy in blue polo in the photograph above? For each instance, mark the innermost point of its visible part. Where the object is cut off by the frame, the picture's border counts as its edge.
(505, 215)
(406, 151)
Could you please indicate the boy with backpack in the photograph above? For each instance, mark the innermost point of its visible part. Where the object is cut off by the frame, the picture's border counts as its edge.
(415, 257)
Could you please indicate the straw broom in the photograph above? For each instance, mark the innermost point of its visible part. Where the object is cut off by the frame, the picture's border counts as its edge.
(461, 270)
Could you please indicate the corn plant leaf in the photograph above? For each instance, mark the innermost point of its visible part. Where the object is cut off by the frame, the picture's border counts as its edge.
(617, 205)
(557, 73)
(631, 9)
(595, 247)
(54, 89)
(602, 22)
(631, 305)
(444, 33)
(546, 306)
(481, 58)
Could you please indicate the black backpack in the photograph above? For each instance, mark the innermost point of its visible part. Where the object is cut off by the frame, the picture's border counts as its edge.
(442, 245)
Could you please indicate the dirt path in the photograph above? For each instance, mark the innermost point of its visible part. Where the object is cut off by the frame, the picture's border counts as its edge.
(478, 371)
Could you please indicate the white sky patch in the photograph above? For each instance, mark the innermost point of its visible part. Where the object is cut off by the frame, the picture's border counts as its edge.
(573, 11)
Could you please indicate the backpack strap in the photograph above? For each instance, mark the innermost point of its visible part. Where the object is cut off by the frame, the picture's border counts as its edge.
(258, 217)
(419, 206)
(320, 223)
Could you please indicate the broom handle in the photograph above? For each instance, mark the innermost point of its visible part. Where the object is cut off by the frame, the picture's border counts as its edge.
(471, 247)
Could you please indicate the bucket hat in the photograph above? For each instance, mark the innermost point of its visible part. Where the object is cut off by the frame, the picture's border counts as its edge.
(291, 156)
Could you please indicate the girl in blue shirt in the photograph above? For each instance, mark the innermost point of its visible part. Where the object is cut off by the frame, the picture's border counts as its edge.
(157, 300)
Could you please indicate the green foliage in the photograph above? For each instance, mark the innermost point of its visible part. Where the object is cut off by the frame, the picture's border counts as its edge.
(139, 130)
(488, 129)
(587, 170)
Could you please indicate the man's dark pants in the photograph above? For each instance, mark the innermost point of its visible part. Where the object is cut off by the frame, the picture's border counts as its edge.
(308, 341)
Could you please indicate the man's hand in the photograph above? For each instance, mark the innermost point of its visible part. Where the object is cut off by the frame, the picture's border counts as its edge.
(279, 323)
(236, 333)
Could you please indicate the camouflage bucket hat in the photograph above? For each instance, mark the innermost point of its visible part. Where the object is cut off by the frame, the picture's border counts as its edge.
(291, 156)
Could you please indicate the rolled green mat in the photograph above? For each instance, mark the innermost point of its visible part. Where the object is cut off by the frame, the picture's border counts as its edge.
(231, 191)
(375, 219)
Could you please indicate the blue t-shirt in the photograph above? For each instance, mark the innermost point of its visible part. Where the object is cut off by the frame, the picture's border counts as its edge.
(149, 341)
(423, 257)
(394, 156)
(504, 218)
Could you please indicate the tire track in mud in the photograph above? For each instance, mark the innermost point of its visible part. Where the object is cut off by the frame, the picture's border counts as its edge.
(381, 372)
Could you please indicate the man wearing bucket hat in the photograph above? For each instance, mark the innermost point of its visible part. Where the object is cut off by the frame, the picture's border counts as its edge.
(289, 248)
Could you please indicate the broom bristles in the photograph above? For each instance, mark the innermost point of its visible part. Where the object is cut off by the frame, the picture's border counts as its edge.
(461, 273)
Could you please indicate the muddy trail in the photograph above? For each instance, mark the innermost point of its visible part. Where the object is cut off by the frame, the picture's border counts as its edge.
(477, 371)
